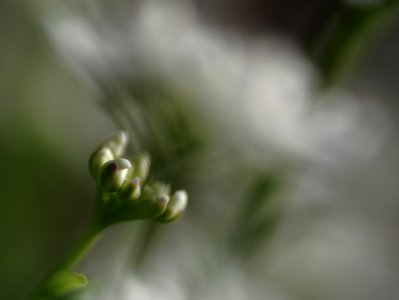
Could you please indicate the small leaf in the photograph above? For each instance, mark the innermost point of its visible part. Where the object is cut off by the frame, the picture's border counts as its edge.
(61, 283)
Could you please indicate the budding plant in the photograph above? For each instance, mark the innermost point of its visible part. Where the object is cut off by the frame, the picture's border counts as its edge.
(124, 193)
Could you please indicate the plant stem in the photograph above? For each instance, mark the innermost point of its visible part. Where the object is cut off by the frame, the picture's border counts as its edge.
(150, 230)
(84, 245)
(355, 28)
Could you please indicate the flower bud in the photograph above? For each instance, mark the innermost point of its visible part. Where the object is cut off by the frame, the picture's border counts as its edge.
(156, 197)
(175, 208)
(98, 159)
(142, 165)
(113, 174)
(117, 143)
(151, 204)
(149, 207)
(131, 189)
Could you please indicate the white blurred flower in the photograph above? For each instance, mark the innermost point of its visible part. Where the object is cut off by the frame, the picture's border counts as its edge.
(199, 271)
(261, 93)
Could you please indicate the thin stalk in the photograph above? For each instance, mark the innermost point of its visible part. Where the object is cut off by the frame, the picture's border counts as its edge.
(89, 239)
(259, 215)
(355, 28)
(150, 230)
(82, 248)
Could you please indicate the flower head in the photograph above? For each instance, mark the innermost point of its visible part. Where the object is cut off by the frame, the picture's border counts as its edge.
(124, 193)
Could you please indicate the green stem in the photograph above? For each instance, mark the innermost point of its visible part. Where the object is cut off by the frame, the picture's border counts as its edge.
(355, 28)
(259, 214)
(84, 245)
(150, 230)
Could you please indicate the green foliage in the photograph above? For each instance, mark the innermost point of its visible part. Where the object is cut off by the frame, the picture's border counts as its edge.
(60, 284)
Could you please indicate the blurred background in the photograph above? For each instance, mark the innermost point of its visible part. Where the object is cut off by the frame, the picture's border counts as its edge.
(278, 117)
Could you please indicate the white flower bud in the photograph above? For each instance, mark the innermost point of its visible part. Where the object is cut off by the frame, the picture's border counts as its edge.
(142, 165)
(98, 159)
(131, 190)
(113, 174)
(117, 143)
(153, 201)
(175, 208)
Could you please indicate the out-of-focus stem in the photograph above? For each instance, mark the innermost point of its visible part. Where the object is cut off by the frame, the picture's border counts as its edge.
(355, 28)
(150, 230)
(82, 248)
(84, 245)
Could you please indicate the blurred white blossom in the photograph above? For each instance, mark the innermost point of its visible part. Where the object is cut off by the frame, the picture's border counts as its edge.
(262, 92)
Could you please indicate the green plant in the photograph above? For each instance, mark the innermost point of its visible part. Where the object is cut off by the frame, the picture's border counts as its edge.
(124, 193)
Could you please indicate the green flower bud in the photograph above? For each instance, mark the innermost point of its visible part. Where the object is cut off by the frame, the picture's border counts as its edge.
(123, 190)
(175, 208)
(148, 207)
(113, 174)
(153, 201)
(151, 204)
(117, 143)
(130, 190)
(98, 159)
(142, 165)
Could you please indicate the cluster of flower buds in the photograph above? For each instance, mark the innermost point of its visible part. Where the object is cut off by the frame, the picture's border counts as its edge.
(125, 193)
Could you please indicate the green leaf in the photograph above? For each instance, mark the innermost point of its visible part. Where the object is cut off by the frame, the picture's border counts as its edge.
(61, 283)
